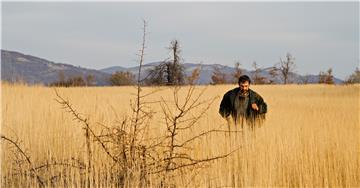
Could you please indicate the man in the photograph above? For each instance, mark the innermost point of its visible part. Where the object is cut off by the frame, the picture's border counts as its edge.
(243, 104)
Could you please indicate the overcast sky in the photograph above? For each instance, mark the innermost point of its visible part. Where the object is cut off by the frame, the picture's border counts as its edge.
(97, 35)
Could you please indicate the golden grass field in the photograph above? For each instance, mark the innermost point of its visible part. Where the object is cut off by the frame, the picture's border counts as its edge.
(311, 137)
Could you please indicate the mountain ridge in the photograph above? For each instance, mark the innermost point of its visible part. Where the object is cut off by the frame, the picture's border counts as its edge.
(35, 70)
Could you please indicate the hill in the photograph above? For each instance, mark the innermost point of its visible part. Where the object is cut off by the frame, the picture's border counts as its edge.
(16, 66)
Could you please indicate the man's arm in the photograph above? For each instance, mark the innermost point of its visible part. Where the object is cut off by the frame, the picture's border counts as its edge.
(257, 103)
(224, 110)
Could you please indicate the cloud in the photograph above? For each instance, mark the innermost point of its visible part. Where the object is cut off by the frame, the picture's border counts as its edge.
(98, 34)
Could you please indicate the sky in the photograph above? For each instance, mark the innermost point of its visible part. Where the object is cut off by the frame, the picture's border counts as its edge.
(319, 35)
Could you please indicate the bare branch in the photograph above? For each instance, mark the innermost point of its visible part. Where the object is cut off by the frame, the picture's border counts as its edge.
(196, 162)
(32, 169)
(66, 104)
(206, 133)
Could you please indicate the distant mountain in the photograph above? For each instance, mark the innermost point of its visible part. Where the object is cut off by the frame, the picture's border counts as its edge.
(207, 70)
(34, 70)
(112, 70)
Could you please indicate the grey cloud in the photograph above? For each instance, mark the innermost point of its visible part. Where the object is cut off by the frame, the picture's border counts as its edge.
(97, 34)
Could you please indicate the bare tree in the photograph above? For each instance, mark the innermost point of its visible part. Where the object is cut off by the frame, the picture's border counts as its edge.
(90, 80)
(157, 75)
(257, 78)
(61, 76)
(274, 73)
(286, 67)
(129, 151)
(175, 72)
(195, 75)
(76, 81)
(135, 155)
(322, 77)
(120, 78)
(354, 77)
(329, 77)
(169, 72)
(305, 79)
(326, 77)
(140, 114)
(218, 76)
(237, 73)
(179, 119)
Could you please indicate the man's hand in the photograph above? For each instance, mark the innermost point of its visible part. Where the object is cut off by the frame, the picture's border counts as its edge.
(230, 121)
(255, 107)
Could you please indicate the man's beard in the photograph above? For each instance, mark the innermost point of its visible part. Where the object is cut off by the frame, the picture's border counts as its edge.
(244, 93)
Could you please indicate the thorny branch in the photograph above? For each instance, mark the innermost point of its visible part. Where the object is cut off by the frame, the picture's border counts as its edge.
(32, 169)
(176, 121)
(66, 104)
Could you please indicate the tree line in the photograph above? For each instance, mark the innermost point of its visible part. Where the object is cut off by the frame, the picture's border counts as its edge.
(171, 71)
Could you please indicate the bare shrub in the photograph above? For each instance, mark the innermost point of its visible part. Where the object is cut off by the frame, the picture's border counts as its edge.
(286, 67)
(136, 159)
(256, 77)
(121, 78)
(218, 76)
(76, 81)
(25, 172)
(354, 77)
(21, 155)
(194, 77)
(237, 73)
(326, 77)
(180, 120)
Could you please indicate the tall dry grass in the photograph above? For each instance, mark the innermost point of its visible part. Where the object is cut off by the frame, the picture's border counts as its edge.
(310, 137)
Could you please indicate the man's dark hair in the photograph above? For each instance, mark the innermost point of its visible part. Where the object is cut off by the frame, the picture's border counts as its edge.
(244, 78)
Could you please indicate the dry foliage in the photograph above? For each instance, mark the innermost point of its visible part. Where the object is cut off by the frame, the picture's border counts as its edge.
(310, 138)
(134, 155)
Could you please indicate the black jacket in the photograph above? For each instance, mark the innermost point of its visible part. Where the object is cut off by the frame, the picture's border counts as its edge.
(227, 104)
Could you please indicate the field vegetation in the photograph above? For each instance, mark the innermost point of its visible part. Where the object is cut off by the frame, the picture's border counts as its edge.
(310, 138)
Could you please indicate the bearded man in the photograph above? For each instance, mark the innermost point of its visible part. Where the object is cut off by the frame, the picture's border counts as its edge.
(242, 105)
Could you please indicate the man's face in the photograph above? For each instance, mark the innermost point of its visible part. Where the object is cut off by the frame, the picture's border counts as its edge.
(244, 86)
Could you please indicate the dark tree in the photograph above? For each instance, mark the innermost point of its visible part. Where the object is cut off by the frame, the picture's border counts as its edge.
(274, 73)
(121, 78)
(61, 76)
(90, 80)
(326, 77)
(237, 73)
(157, 75)
(175, 71)
(257, 78)
(76, 81)
(194, 77)
(354, 77)
(170, 72)
(286, 67)
(218, 76)
(305, 79)
(329, 77)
